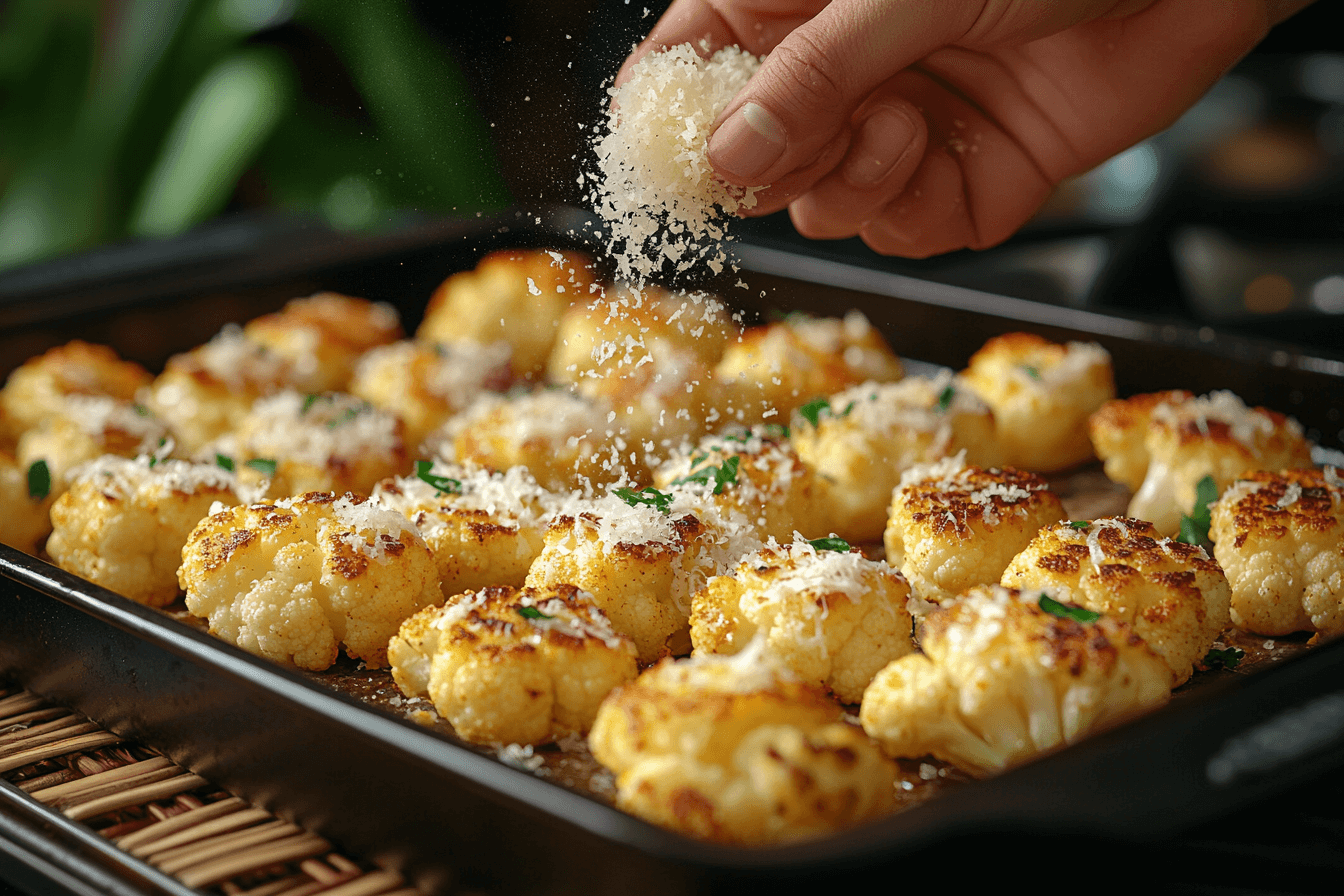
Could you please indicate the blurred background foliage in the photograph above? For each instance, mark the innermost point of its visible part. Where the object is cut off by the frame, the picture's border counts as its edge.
(142, 118)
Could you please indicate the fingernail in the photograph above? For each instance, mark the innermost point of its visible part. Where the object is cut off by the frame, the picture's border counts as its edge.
(882, 139)
(748, 143)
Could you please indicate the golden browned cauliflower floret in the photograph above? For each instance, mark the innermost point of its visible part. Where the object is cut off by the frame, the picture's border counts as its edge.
(516, 295)
(1280, 539)
(205, 393)
(297, 580)
(640, 563)
(323, 336)
(507, 665)
(85, 427)
(1042, 394)
(39, 387)
(123, 522)
(834, 617)
(1173, 593)
(26, 496)
(563, 439)
(953, 526)
(1119, 428)
(775, 369)
(862, 439)
(426, 383)
(737, 750)
(1002, 679)
(622, 327)
(484, 527)
(754, 473)
(328, 442)
(1186, 439)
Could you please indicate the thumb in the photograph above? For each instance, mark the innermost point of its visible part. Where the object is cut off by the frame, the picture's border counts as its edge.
(809, 86)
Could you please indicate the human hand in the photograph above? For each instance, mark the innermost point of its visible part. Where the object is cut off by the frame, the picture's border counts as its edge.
(925, 127)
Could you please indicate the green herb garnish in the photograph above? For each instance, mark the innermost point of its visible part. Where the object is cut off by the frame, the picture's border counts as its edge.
(830, 543)
(1031, 371)
(1080, 524)
(442, 484)
(945, 399)
(39, 480)
(776, 431)
(1228, 657)
(811, 412)
(1195, 525)
(1064, 611)
(154, 458)
(224, 461)
(346, 416)
(263, 465)
(140, 409)
(660, 501)
(308, 401)
(532, 613)
(721, 475)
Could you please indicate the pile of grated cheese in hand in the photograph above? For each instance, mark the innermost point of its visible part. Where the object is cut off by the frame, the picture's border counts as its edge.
(655, 189)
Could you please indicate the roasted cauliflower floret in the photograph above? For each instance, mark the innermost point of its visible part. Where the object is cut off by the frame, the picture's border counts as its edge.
(775, 369)
(427, 383)
(38, 388)
(297, 580)
(505, 665)
(563, 439)
(484, 527)
(953, 526)
(1119, 429)
(206, 392)
(1280, 539)
(516, 295)
(641, 564)
(1001, 680)
(737, 750)
(323, 336)
(862, 439)
(1173, 594)
(122, 523)
(753, 473)
(1042, 394)
(84, 428)
(26, 496)
(833, 617)
(328, 442)
(1186, 439)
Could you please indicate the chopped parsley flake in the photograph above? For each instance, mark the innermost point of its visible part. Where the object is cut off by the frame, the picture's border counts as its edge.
(346, 416)
(1228, 658)
(1064, 611)
(224, 462)
(140, 409)
(945, 399)
(1080, 524)
(660, 501)
(1031, 371)
(263, 465)
(1195, 525)
(444, 485)
(830, 544)
(532, 613)
(812, 411)
(39, 480)
(308, 401)
(721, 475)
(776, 431)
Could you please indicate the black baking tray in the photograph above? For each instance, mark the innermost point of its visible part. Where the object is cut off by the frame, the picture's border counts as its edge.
(444, 815)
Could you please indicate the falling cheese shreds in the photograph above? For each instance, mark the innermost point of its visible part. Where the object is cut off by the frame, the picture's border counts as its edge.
(656, 191)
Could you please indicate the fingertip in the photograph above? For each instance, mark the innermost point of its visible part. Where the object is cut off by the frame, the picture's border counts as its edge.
(747, 144)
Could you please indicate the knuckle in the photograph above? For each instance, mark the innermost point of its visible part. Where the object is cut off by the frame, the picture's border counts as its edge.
(810, 76)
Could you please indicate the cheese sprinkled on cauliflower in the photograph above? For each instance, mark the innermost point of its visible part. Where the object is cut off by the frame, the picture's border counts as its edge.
(38, 388)
(505, 665)
(1280, 538)
(298, 579)
(84, 428)
(738, 751)
(953, 526)
(833, 617)
(1173, 593)
(323, 336)
(26, 520)
(1001, 680)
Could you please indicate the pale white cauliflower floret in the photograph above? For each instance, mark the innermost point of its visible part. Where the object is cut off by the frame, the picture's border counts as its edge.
(953, 526)
(122, 523)
(85, 427)
(1280, 539)
(485, 528)
(514, 295)
(1042, 394)
(775, 369)
(507, 665)
(296, 580)
(862, 439)
(26, 519)
(1173, 593)
(833, 616)
(736, 750)
(1002, 680)
(1185, 439)
(323, 336)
